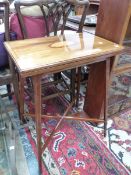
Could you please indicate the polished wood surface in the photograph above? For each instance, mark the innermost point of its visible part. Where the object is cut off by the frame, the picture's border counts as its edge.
(47, 55)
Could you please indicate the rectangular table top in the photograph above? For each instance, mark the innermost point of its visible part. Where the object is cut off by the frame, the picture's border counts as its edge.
(57, 53)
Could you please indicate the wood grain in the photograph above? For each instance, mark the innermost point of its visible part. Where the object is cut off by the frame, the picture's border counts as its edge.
(48, 55)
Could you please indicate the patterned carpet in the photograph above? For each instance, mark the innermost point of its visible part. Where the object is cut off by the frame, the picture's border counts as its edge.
(76, 146)
(120, 91)
(66, 157)
(118, 138)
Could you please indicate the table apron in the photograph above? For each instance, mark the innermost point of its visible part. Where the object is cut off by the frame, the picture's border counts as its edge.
(67, 65)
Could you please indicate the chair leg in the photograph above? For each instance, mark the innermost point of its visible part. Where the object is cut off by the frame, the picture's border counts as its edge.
(29, 82)
(72, 84)
(9, 91)
(78, 86)
(57, 76)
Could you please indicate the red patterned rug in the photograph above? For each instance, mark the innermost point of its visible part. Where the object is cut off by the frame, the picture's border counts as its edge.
(75, 148)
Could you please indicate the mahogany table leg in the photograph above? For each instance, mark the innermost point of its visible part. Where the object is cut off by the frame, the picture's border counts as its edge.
(37, 99)
(95, 93)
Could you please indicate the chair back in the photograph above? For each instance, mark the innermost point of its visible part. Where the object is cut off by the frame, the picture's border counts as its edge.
(4, 32)
(53, 17)
(5, 5)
